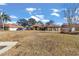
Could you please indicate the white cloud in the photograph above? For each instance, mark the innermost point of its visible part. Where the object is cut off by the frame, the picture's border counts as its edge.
(59, 23)
(26, 18)
(40, 16)
(36, 18)
(30, 10)
(65, 18)
(3, 4)
(56, 14)
(45, 20)
(12, 16)
(55, 10)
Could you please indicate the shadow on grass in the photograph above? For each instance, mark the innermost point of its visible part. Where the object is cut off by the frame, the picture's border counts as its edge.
(71, 33)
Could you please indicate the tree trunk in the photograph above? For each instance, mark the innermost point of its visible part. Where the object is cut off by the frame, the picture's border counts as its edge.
(3, 24)
(70, 27)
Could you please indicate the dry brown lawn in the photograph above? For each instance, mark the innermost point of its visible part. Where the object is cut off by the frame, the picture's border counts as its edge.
(40, 43)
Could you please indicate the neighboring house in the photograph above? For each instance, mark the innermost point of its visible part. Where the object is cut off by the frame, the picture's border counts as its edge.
(46, 27)
(74, 28)
(11, 27)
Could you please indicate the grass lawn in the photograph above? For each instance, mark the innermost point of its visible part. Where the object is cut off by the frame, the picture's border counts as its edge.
(37, 43)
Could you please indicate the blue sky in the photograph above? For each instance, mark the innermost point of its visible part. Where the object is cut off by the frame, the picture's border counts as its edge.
(39, 11)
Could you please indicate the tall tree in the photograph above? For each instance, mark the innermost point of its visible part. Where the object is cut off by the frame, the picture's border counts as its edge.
(22, 22)
(51, 22)
(39, 22)
(32, 21)
(69, 14)
(4, 17)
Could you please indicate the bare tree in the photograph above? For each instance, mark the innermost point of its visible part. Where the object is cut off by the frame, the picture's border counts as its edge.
(69, 14)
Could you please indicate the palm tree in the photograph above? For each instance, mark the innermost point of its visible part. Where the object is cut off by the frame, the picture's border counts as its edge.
(4, 17)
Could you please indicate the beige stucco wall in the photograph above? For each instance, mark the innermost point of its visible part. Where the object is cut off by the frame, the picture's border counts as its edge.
(12, 29)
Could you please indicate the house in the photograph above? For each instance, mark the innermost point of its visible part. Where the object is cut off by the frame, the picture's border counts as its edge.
(66, 27)
(11, 27)
(46, 27)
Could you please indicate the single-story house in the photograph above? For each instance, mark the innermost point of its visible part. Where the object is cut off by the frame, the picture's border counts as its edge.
(46, 27)
(66, 27)
(11, 27)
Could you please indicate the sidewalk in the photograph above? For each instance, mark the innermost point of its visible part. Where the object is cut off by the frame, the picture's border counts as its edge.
(5, 46)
